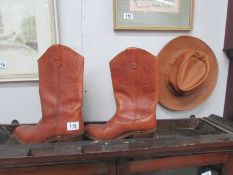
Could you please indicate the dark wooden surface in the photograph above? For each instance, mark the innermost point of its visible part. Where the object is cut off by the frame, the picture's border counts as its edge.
(228, 109)
(176, 144)
(228, 48)
(228, 167)
(176, 162)
(228, 44)
(61, 169)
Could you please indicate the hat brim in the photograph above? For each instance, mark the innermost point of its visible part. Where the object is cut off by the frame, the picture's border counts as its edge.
(174, 47)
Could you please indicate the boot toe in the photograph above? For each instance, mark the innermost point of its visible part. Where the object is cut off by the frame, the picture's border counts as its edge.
(23, 133)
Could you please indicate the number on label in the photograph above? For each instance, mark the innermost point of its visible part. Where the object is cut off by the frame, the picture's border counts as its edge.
(128, 16)
(207, 173)
(3, 65)
(72, 126)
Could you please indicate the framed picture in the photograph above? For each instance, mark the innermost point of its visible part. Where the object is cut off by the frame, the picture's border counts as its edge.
(153, 14)
(27, 29)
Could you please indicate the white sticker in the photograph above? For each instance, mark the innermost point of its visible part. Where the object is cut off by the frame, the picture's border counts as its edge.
(3, 65)
(207, 173)
(72, 126)
(128, 16)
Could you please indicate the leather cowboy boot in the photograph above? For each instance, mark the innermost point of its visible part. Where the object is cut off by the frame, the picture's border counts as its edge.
(60, 88)
(134, 78)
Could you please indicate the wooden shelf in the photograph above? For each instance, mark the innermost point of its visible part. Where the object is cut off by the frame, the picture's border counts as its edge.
(176, 144)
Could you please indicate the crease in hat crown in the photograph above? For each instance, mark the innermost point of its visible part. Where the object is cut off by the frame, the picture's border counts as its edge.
(180, 63)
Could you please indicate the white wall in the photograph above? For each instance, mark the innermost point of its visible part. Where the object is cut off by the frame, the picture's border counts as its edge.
(86, 26)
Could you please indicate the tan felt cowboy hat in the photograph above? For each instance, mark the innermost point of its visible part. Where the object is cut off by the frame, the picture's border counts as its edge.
(188, 73)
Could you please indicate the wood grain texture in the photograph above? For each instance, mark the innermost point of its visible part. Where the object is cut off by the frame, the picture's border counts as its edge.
(228, 109)
(228, 48)
(176, 162)
(177, 144)
(228, 44)
(123, 167)
(69, 169)
(228, 167)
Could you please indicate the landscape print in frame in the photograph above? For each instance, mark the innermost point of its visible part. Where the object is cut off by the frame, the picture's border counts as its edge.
(27, 29)
(153, 14)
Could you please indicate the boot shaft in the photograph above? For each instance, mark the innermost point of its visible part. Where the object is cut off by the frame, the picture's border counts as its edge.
(61, 86)
(135, 76)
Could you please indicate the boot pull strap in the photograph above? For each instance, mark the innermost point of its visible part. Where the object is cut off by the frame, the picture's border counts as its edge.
(57, 62)
(134, 64)
(57, 58)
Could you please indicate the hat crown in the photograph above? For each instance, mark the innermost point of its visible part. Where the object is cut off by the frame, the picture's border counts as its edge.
(188, 72)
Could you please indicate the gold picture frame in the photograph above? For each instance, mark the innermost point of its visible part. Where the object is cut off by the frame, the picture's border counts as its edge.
(153, 14)
(27, 29)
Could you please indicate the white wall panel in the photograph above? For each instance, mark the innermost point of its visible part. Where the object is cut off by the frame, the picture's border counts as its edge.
(87, 27)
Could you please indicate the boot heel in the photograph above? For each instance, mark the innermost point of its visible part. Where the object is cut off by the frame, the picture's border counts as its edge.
(72, 139)
(144, 134)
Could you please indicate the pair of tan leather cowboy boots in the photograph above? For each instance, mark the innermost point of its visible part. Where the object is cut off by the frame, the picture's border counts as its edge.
(134, 79)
